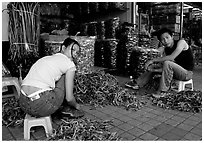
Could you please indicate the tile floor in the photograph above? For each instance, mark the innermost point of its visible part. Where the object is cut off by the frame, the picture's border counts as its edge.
(150, 123)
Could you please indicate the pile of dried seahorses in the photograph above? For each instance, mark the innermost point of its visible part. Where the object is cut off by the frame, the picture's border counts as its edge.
(97, 89)
(188, 101)
(84, 130)
(100, 89)
(12, 114)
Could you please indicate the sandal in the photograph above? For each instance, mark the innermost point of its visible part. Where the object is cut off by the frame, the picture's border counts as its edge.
(132, 85)
(72, 112)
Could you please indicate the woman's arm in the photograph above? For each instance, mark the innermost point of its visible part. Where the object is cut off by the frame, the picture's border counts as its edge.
(69, 85)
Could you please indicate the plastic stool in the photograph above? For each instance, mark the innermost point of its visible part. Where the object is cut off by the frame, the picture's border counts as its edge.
(30, 122)
(9, 81)
(182, 84)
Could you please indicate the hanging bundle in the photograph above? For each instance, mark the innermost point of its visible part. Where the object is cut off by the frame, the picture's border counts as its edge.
(23, 32)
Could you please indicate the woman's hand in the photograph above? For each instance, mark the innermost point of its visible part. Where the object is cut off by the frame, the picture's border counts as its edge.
(148, 63)
(77, 107)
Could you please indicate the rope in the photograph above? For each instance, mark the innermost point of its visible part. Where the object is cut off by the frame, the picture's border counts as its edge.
(23, 44)
(26, 12)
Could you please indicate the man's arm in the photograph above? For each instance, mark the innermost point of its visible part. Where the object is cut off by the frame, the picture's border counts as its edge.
(180, 46)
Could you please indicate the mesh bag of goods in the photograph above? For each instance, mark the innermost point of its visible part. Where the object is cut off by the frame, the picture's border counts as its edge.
(52, 45)
(121, 54)
(111, 27)
(130, 45)
(100, 30)
(142, 56)
(124, 51)
(103, 6)
(99, 53)
(92, 29)
(93, 7)
(110, 53)
(84, 29)
(128, 41)
(86, 59)
(116, 5)
(84, 8)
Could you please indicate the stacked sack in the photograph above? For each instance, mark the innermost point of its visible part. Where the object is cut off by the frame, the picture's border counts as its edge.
(105, 53)
(127, 43)
(106, 43)
(85, 61)
(111, 27)
(139, 57)
(110, 53)
(99, 53)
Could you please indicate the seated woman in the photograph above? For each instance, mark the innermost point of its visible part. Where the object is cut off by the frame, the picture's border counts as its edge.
(50, 82)
(177, 62)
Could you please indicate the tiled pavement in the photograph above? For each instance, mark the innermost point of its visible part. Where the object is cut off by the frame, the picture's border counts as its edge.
(148, 123)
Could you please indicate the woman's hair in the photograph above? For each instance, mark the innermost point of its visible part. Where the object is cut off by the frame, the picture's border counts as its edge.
(162, 31)
(68, 42)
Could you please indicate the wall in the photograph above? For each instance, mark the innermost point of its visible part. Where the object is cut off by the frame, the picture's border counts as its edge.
(5, 39)
(5, 19)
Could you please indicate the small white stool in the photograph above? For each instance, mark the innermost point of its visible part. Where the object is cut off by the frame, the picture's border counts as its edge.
(182, 84)
(11, 81)
(30, 122)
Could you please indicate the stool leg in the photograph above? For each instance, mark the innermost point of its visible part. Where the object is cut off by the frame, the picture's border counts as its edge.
(192, 86)
(18, 90)
(26, 130)
(180, 86)
(49, 125)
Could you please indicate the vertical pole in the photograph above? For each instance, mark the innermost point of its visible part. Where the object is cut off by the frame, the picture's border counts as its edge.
(139, 21)
(181, 20)
(134, 13)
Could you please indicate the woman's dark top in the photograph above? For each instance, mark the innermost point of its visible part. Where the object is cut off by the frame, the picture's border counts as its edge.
(184, 59)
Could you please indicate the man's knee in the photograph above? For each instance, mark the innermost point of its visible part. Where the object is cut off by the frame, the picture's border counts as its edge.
(167, 64)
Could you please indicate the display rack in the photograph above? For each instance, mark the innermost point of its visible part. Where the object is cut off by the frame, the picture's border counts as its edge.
(169, 15)
(71, 15)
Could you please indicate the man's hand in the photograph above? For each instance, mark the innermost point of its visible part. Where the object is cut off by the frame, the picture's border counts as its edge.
(148, 63)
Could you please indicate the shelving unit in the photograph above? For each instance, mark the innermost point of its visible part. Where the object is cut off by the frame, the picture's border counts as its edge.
(72, 15)
(167, 14)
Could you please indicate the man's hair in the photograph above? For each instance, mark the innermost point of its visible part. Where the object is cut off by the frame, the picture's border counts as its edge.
(68, 42)
(162, 31)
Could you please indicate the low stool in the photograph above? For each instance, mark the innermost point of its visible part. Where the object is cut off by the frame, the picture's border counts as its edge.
(182, 84)
(11, 81)
(30, 122)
